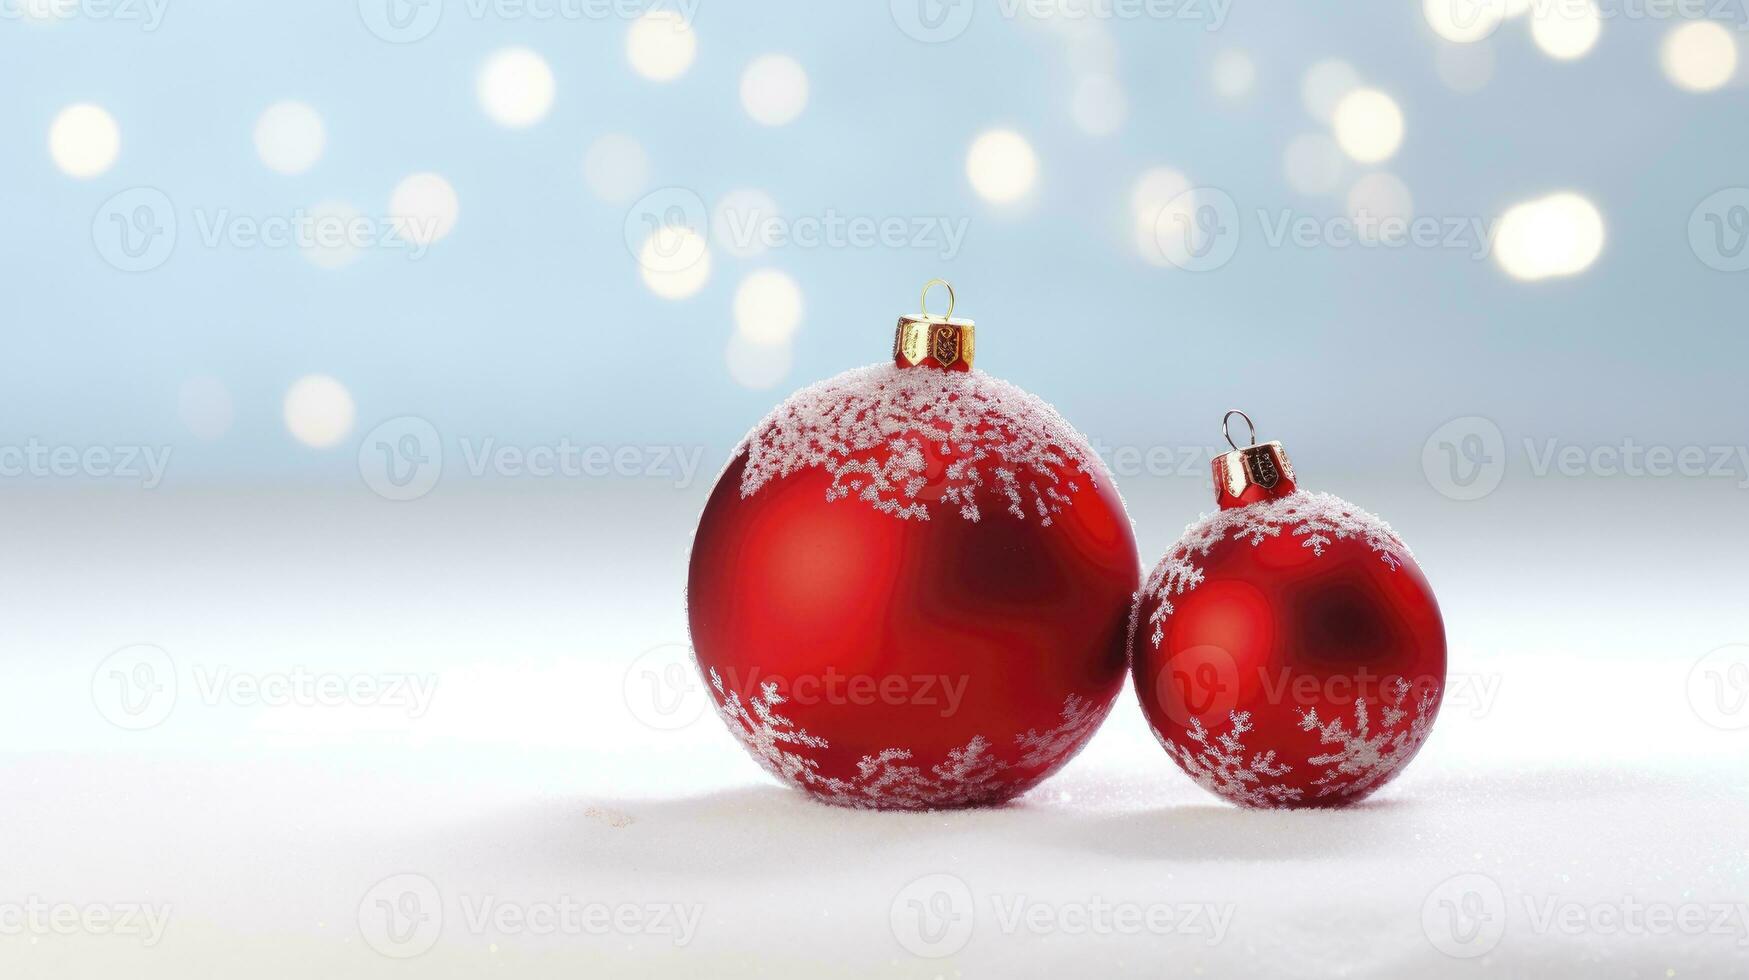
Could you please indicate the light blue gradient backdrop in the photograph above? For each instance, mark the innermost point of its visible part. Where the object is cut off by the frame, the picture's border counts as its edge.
(530, 323)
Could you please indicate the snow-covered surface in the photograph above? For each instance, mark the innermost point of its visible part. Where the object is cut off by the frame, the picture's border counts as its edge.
(542, 810)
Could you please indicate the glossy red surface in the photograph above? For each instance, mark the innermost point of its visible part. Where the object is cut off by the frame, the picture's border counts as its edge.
(920, 653)
(1275, 634)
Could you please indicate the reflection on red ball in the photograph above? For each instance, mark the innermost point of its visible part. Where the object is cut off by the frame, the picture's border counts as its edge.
(1289, 653)
(910, 590)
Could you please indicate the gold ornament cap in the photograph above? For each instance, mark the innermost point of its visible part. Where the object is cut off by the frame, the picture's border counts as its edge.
(1255, 473)
(925, 339)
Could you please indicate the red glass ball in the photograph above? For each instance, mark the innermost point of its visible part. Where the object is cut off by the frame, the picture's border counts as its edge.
(1289, 653)
(910, 589)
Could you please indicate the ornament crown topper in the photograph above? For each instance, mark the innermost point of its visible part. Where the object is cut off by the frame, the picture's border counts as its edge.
(1253, 473)
(925, 339)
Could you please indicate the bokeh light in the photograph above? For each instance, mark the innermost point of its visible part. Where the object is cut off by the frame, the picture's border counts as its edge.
(616, 168)
(289, 137)
(1368, 124)
(515, 87)
(768, 307)
(1001, 166)
(661, 45)
(676, 262)
(1155, 192)
(1700, 56)
(318, 411)
(84, 140)
(1558, 235)
(1464, 21)
(1565, 29)
(774, 89)
(423, 208)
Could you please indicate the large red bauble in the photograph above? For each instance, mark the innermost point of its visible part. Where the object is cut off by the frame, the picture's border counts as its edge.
(1288, 652)
(910, 590)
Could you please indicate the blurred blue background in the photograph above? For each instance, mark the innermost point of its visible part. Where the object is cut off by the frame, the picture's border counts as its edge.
(530, 321)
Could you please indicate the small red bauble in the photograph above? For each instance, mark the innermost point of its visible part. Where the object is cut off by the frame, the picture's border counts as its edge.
(1287, 651)
(910, 588)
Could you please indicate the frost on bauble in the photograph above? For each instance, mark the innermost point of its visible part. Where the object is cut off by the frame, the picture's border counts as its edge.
(1221, 765)
(1316, 520)
(1353, 756)
(874, 428)
(888, 779)
(1364, 755)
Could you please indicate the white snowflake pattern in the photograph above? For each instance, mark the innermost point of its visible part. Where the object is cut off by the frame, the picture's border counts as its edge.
(1318, 519)
(1080, 719)
(1220, 764)
(1364, 758)
(971, 774)
(869, 427)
